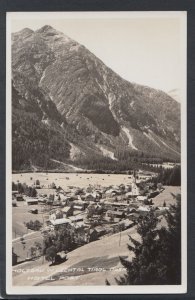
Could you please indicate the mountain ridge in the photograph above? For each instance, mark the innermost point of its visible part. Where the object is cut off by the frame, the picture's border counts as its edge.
(65, 83)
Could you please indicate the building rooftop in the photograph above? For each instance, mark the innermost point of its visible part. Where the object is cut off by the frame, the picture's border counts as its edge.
(60, 221)
(76, 218)
(66, 209)
(31, 200)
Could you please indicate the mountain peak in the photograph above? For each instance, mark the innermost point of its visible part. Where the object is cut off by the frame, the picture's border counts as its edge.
(46, 28)
(24, 33)
(57, 79)
(26, 30)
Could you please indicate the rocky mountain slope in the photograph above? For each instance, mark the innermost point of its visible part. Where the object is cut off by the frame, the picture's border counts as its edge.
(68, 105)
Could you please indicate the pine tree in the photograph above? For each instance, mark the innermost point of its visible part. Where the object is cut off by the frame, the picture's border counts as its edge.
(157, 256)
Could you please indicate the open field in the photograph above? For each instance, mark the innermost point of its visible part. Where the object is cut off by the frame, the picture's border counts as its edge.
(90, 264)
(72, 179)
(23, 251)
(21, 214)
(166, 196)
(103, 254)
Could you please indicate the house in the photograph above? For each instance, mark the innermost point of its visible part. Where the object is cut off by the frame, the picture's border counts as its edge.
(143, 210)
(108, 205)
(52, 216)
(57, 222)
(142, 198)
(69, 199)
(160, 211)
(133, 216)
(67, 211)
(56, 214)
(37, 186)
(61, 197)
(97, 195)
(76, 212)
(129, 195)
(49, 202)
(120, 205)
(75, 219)
(60, 190)
(100, 231)
(112, 193)
(19, 197)
(77, 207)
(56, 203)
(127, 223)
(78, 191)
(31, 201)
(115, 214)
(80, 205)
(132, 210)
(116, 220)
(42, 199)
(33, 211)
(79, 224)
(90, 197)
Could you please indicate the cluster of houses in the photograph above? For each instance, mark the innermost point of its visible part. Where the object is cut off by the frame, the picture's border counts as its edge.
(95, 211)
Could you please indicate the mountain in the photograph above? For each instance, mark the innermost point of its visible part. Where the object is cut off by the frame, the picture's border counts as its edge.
(68, 106)
(175, 94)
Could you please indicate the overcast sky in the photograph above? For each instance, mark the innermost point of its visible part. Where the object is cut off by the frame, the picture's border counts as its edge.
(144, 49)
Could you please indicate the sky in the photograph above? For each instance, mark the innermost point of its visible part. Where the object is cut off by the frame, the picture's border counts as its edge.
(143, 48)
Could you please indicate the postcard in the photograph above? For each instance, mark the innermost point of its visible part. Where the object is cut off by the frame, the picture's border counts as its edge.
(96, 152)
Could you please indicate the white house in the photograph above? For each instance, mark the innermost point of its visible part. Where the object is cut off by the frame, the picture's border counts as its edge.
(142, 198)
(31, 201)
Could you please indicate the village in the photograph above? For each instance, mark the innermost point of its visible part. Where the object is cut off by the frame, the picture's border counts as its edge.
(91, 212)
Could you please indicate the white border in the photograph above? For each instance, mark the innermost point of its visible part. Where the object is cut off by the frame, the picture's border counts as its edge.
(150, 289)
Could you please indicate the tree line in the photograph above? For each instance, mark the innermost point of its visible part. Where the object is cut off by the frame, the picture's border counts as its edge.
(23, 188)
(170, 176)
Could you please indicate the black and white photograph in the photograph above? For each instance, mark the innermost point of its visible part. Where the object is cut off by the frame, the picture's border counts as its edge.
(96, 152)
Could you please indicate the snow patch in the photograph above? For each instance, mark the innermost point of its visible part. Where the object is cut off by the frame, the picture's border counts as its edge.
(111, 98)
(129, 136)
(107, 153)
(42, 77)
(46, 122)
(74, 151)
(132, 103)
(67, 165)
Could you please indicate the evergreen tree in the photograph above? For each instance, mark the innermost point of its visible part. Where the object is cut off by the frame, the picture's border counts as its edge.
(51, 253)
(157, 255)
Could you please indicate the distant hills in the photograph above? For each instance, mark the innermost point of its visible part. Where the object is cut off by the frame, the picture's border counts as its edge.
(68, 106)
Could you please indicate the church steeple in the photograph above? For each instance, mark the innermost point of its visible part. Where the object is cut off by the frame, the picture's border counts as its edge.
(134, 176)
